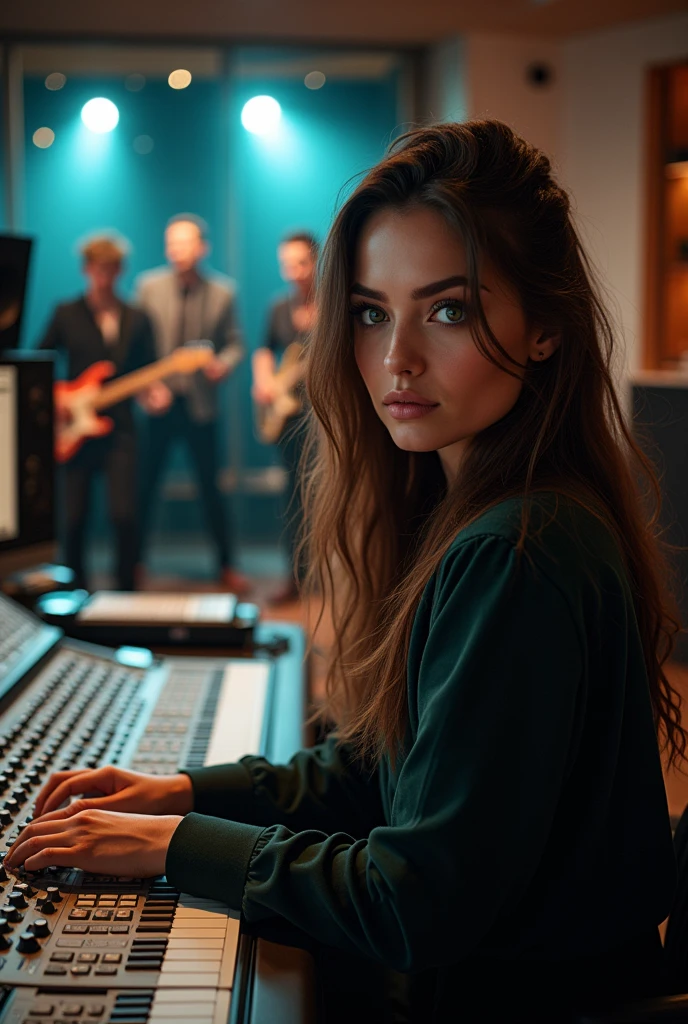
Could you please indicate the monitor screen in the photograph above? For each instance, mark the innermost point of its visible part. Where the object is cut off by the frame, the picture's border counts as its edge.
(15, 254)
(27, 503)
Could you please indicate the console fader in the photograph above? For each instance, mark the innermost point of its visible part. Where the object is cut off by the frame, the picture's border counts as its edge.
(77, 947)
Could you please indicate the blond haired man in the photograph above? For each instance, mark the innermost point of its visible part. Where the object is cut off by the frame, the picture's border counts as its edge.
(99, 325)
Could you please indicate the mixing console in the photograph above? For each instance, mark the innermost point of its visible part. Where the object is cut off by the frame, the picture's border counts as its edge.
(82, 948)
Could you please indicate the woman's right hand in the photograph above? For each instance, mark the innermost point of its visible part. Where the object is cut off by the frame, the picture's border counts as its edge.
(115, 789)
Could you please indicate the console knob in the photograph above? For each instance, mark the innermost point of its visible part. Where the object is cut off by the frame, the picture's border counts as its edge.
(3, 873)
(17, 899)
(28, 943)
(53, 893)
(5, 925)
(40, 928)
(5, 943)
(10, 913)
(12, 806)
(5, 816)
(4, 783)
(26, 889)
(47, 907)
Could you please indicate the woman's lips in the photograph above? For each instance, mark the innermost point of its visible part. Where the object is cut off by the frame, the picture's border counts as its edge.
(409, 410)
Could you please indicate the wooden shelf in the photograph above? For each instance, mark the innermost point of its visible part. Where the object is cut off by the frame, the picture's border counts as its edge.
(666, 294)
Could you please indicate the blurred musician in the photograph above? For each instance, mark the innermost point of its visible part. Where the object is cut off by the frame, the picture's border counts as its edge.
(291, 317)
(186, 305)
(101, 326)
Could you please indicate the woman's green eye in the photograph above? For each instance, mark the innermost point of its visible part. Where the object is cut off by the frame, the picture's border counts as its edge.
(371, 315)
(450, 314)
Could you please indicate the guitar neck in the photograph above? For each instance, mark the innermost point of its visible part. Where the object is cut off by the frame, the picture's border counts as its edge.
(134, 382)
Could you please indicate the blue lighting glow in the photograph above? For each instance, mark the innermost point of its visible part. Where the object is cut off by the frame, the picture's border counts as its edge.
(261, 115)
(100, 115)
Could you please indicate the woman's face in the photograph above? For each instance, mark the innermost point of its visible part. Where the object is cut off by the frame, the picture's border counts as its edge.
(428, 381)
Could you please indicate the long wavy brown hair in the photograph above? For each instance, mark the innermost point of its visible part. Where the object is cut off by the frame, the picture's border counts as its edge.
(379, 519)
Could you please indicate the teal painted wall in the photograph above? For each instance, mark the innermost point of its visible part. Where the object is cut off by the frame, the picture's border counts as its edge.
(251, 190)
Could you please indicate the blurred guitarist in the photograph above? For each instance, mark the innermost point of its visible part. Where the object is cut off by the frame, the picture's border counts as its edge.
(101, 326)
(186, 304)
(291, 317)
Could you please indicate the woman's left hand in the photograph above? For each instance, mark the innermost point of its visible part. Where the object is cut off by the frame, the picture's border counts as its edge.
(100, 842)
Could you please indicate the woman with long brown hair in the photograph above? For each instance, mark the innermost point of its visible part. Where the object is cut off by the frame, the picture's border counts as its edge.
(489, 816)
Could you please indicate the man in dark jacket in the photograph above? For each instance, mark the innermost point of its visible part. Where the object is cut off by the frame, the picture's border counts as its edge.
(187, 303)
(100, 326)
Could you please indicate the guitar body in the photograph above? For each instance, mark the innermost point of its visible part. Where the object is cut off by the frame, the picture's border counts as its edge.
(272, 419)
(75, 410)
(78, 402)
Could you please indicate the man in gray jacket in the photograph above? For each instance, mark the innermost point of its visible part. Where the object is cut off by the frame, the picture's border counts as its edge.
(185, 305)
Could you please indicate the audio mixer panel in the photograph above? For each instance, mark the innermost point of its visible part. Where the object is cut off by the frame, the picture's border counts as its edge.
(76, 947)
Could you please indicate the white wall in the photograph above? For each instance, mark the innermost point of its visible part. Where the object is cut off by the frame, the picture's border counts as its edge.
(444, 93)
(602, 157)
(497, 85)
(591, 121)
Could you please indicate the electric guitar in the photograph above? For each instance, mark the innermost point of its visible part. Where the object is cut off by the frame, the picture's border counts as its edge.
(272, 418)
(78, 402)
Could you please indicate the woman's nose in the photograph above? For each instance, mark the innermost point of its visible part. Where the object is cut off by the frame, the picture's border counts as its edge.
(404, 355)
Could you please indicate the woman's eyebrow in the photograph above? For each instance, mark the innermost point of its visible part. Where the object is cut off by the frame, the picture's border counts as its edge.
(425, 292)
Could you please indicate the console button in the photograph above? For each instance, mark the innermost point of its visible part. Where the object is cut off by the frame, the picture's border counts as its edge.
(28, 943)
(11, 913)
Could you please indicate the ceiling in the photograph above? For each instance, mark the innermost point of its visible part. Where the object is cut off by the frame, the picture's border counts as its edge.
(394, 22)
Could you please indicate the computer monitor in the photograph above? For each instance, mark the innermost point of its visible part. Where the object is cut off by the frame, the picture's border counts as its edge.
(27, 487)
(15, 255)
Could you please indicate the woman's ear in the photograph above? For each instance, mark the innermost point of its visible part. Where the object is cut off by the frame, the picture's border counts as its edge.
(544, 345)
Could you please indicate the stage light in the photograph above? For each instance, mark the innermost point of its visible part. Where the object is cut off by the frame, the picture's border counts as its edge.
(134, 82)
(55, 81)
(179, 79)
(43, 138)
(143, 145)
(261, 115)
(314, 80)
(100, 115)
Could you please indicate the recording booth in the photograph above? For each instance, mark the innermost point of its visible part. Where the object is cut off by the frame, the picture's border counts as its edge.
(99, 948)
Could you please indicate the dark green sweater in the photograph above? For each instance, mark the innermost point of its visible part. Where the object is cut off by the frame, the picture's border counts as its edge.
(526, 821)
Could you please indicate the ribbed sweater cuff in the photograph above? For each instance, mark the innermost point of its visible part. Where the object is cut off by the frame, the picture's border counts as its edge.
(210, 857)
